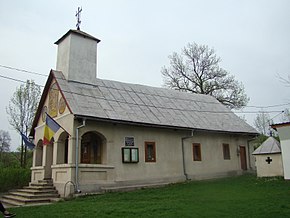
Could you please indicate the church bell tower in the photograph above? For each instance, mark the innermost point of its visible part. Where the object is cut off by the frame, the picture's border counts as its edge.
(77, 56)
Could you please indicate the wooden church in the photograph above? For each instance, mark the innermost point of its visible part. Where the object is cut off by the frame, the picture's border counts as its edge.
(117, 134)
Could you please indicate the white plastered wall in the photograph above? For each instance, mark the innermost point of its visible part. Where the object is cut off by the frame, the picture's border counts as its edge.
(265, 169)
(284, 134)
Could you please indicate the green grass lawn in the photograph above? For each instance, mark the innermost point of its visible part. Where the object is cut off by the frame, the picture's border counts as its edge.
(242, 196)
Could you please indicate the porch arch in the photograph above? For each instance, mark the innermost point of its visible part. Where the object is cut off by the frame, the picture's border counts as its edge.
(93, 148)
(62, 148)
(48, 158)
(39, 153)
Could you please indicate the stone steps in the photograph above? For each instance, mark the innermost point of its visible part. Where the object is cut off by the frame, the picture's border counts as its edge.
(42, 192)
(37, 192)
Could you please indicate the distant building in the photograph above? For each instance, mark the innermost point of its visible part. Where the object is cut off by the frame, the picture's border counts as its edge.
(269, 159)
(119, 134)
(284, 135)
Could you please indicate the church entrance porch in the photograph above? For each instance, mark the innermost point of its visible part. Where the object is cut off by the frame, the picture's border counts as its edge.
(90, 173)
(48, 160)
(93, 148)
(93, 171)
(42, 162)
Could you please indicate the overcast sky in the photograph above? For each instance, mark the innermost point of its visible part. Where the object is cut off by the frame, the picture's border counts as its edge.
(251, 37)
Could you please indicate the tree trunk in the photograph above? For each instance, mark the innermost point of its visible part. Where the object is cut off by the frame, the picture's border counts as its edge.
(25, 157)
(21, 154)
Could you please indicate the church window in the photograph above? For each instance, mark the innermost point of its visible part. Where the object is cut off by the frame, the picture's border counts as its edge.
(226, 151)
(150, 152)
(130, 155)
(196, 149)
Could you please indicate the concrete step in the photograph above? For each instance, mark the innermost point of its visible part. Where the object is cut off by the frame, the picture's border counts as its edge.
(34, 196)
(10, 203)
(45, 181)
(22, 200)
(41, 184)
(41, 188)
(37, 192)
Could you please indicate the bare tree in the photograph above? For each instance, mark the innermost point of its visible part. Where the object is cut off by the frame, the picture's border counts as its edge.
(286, 113)
(197, 70)
(285, 116)
(22, 108)
(262, 123)
(285, 80)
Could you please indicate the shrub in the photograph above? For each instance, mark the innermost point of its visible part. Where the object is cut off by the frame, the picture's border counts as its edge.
(12, 178)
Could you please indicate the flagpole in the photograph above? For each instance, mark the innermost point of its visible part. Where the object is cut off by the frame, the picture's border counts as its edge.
(57, 123)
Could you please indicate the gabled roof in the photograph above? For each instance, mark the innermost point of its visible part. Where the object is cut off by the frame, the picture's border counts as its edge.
(279, 125)
(270, 146)
(144, 105)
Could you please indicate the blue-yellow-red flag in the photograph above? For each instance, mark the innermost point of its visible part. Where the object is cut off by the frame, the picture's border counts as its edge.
(50, 128)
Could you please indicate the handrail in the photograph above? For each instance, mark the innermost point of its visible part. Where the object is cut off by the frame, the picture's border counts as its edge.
(68, 183)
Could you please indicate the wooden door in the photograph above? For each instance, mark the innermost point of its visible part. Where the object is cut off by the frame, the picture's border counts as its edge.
(243, 157)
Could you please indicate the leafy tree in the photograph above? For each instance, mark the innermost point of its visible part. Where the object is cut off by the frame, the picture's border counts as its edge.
(5, 140)
(262, 123)
(197, 70)
(21, 111)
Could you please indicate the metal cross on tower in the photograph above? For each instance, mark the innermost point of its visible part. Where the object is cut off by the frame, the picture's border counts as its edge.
(78, 15)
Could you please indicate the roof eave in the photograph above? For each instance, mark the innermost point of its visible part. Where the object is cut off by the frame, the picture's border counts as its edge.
(267, 153)
(78, 32)
(106, 120)
(279, 125)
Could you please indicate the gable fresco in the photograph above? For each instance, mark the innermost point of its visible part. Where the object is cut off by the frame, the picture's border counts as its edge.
(54, 103)
(53, 100)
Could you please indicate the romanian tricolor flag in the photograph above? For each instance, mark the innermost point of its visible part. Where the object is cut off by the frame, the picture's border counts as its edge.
(51, 127)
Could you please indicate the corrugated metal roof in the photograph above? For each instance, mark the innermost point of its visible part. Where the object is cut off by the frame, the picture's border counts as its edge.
(270, 146)
(119, 101)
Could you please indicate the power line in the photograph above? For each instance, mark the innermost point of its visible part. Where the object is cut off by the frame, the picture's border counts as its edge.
(21, 70)
(10, 78)
(269, 106)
